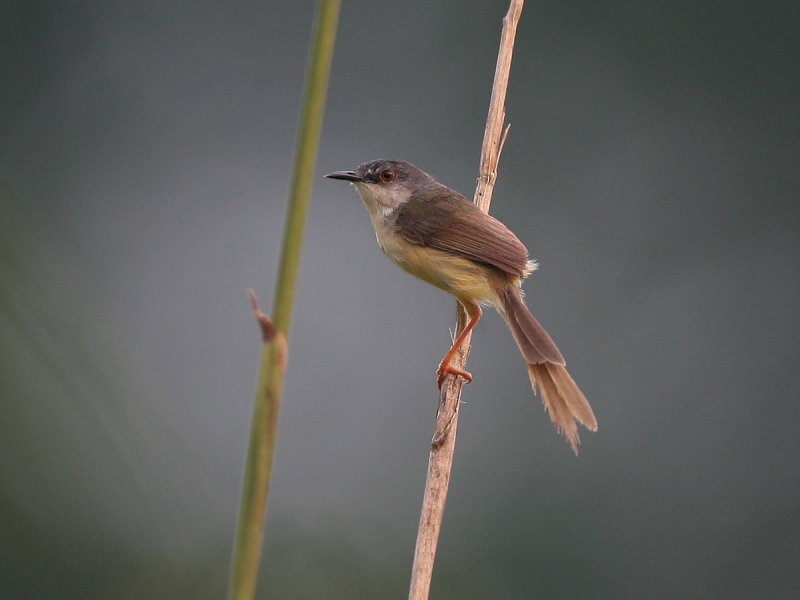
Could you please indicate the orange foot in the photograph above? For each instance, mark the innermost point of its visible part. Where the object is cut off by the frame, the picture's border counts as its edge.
(445, 368)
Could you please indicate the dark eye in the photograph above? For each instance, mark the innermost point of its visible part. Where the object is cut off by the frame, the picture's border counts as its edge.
(386, 175)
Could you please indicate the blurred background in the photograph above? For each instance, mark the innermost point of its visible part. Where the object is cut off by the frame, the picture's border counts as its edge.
(651, 168)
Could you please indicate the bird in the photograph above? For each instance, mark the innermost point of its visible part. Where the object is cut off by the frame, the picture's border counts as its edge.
(441, 237)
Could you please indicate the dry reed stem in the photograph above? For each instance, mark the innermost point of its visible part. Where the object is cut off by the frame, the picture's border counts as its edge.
(443, 443)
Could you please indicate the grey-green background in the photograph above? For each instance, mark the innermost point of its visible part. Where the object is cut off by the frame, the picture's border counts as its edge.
(653, 170)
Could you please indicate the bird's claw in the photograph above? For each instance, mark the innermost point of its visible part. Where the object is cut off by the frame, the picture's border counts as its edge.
(444, 369)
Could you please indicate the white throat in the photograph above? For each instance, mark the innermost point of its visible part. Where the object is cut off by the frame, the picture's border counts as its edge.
(379, 201)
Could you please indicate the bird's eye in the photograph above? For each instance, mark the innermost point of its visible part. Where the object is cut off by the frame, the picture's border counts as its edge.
(386, 175)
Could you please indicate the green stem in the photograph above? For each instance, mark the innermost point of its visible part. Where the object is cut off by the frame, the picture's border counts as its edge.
(263, 432)
(305, 160)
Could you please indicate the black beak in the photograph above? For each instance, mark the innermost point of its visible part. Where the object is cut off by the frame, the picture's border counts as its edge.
(345, 175)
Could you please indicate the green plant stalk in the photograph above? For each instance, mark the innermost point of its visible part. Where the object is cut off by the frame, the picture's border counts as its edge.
(305, 159)
(263, 432)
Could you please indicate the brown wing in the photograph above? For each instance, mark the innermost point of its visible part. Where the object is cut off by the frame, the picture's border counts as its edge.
(443, 219)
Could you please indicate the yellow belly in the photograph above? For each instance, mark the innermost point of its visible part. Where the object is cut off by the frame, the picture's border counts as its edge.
(466, 280)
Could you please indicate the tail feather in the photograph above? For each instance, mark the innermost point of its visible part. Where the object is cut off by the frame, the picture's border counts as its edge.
(534, 342)
(563, 400)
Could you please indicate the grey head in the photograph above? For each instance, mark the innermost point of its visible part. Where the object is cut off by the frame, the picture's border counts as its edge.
(385, 183)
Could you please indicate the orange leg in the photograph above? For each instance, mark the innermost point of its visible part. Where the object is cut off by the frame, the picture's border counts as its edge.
(474, 313)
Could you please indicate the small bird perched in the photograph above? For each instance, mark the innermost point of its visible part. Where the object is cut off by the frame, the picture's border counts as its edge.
(438, 235)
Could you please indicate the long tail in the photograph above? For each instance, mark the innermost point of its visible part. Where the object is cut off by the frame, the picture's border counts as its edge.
(564, 401)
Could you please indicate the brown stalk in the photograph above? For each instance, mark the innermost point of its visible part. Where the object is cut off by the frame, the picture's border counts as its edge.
(443, 443)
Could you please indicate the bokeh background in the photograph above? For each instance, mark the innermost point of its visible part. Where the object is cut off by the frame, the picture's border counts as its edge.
(653, 169)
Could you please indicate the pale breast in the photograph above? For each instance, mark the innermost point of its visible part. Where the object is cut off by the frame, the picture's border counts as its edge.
(459, 276)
